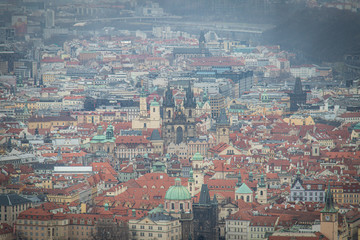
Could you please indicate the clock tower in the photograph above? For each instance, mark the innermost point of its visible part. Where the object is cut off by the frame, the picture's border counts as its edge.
(329, 217)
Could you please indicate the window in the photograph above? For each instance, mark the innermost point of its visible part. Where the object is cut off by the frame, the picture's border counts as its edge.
(159, 235)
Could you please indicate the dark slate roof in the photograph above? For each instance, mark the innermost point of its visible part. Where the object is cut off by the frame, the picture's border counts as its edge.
(223, 120)
(204, 195)
(43, 166)
(12, 200)
(160, 217)
(155, 135)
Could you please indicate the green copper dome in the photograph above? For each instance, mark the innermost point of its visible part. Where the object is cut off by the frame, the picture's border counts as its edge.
(154, 103)
(197, 157)
(177, 192)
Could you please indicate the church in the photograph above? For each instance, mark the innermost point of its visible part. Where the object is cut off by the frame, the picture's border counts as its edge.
(146, 120)
(178, 121)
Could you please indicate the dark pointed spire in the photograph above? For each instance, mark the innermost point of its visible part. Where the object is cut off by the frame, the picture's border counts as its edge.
(204, 195)
(251, 177)
(239, 182)
(215, 199)
(189, 99)
(262, 181)
(329, 202)
(223, 120)
(9, 145)
(202, 40)
(298, 87)
(169, 100)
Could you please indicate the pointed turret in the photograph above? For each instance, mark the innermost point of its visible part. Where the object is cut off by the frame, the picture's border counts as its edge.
(251, 177)
(223, 120)
(298, 86)
(215, 199)
(202, 40)
(169, 99)
(239, 182)
(262, 182)
(9, 145)
(222, 128)
(329, 202)
(204, 195)
(189, 100)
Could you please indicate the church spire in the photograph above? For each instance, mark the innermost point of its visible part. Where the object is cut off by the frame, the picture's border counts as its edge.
(239, 182)
(223, 120)
(204, 195)
(262, 181)
(189, 100)
(329, 202)
(169, 100)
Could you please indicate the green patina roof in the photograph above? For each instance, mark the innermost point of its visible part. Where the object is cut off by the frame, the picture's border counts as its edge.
(177, 192)
(154, 103)
(357, 126)
(244, 189)
(158, 164)
(197, 157)
(158, 209)
(98, 138)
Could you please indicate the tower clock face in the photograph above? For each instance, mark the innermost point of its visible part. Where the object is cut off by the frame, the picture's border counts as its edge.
(327, 218)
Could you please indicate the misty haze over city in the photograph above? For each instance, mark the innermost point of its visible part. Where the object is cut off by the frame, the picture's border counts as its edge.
(179, 119)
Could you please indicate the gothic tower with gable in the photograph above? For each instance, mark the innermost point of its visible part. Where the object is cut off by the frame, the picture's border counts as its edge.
(178, 123)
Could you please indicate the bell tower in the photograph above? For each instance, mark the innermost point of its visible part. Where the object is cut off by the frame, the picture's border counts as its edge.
(222, 128)
(143, 105)
(329, 217)
(262, 191)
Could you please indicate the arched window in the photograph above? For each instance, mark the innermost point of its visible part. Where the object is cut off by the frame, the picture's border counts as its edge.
(190, 113)
(181, 206)
(169, 114)
(172, 206)
(261, 193)
(153, 109)
(247, 199)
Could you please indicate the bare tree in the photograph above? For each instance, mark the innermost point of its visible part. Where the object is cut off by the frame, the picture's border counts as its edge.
(109, 230)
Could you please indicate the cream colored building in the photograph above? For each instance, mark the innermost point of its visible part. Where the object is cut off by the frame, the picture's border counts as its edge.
(299, 120)
(145, 120)
(156, 225)
(11, 205)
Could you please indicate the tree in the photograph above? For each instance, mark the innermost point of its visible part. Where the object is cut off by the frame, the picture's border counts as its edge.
(106, 229)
